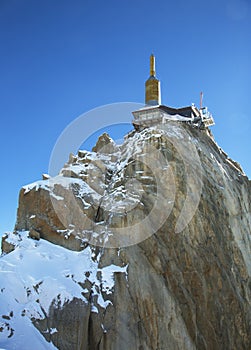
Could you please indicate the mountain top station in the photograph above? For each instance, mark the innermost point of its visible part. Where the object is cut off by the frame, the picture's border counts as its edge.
(156, 113)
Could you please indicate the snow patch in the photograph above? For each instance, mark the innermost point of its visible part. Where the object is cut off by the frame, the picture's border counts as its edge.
(108, 276)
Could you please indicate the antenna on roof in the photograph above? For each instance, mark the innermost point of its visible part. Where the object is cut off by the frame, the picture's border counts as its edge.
(152, 65)
(201, 100)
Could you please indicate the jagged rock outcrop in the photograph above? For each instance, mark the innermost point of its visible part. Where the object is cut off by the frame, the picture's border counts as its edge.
(161, 230)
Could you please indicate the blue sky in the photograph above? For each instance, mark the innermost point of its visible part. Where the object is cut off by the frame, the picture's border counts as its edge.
(61, 58)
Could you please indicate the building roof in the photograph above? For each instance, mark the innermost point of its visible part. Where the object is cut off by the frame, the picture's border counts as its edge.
(183, 111)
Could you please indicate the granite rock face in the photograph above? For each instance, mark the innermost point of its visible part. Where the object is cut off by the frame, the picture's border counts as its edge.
(170, 214)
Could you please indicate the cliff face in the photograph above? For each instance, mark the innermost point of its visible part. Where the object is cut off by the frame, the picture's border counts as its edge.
(159, 232)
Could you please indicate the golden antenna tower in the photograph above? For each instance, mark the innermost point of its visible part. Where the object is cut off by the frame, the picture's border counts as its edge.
(152, 86)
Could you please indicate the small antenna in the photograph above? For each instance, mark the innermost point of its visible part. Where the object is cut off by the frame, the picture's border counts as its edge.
(201, 100)
(152, 65)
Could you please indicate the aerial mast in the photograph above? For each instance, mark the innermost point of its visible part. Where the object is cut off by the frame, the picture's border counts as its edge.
(152, 86)
(201, 100)
(152, 66)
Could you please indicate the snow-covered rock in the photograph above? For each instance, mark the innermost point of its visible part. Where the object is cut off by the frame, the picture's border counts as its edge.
(39, 276)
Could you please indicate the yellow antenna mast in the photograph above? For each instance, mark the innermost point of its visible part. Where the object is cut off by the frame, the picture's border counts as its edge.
(152, 65)
(152, 86)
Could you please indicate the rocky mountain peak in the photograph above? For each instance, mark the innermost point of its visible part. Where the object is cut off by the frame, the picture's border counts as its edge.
(145, 245)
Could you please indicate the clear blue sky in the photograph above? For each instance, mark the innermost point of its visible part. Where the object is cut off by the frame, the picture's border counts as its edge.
(60, 58)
